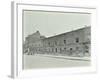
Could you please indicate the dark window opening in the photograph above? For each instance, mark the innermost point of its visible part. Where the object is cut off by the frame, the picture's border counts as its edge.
(64, 41)
(49, 43)
(77, 40)
(86, 47)
(56, 49)
(87, 51)
(64, 48)
(52, 49)
(71, 49)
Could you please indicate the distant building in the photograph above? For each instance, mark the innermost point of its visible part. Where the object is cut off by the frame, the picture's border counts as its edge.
(73, 43)
(32, 43)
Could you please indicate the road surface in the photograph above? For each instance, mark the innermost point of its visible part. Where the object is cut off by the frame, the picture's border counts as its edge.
(39, 61)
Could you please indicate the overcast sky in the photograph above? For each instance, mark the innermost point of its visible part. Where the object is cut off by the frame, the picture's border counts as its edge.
(53, 23)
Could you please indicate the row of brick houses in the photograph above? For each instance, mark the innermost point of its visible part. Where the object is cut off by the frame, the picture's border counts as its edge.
(73, 43)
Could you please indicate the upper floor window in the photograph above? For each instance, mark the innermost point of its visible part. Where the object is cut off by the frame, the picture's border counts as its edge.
(77, 48)
(55, 43)
(71, 49)
(77, 40)
(64, 41)
(87, 47)
(65, 49)
(49, 43)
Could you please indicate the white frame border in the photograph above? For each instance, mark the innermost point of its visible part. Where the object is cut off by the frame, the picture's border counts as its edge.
(16, 69)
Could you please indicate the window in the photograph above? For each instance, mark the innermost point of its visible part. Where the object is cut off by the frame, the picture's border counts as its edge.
(60, 49)
(65, 49)
(77, 48)
(49, 43)
(71, 49)
(55, 43)
(64, 41)
(87, 51)
(49, 49)
(77, 40)
(56, 49)
(52, 49)
(86, 47)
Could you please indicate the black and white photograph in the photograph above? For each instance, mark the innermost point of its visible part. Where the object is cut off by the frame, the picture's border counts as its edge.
(54, 39)
(50, 40)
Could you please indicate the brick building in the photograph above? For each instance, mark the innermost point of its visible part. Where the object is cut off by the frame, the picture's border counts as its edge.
(73, 43)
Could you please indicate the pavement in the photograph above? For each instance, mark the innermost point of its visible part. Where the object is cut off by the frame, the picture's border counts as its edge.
(67, 57)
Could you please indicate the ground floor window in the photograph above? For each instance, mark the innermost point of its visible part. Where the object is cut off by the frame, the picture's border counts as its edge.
(56, 49)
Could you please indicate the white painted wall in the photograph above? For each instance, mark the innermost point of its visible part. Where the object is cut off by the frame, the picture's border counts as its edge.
(5, 39)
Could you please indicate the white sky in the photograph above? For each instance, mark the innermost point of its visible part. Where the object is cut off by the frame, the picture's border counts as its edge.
(53, 23)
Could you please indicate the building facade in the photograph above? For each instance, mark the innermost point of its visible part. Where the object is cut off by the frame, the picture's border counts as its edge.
(73, 43)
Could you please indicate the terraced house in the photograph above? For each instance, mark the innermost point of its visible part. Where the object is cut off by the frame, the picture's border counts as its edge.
(73, 43)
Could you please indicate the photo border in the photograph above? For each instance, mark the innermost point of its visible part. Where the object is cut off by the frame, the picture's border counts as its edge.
(17, 40)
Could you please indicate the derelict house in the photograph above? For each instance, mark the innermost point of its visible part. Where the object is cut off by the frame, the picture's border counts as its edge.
(73, 43)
